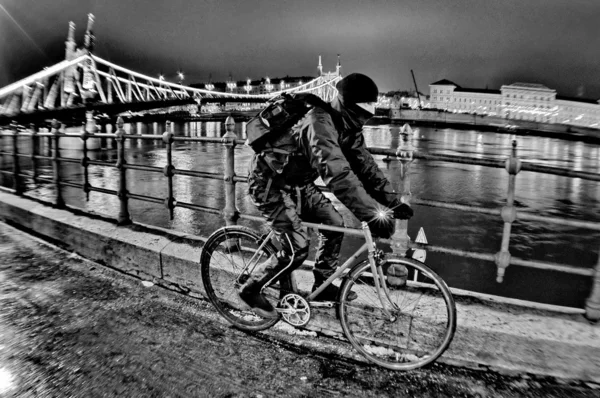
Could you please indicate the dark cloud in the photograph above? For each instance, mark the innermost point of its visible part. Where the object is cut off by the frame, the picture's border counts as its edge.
(471, 42)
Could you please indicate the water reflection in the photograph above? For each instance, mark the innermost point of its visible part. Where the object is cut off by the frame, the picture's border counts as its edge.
(433, 180)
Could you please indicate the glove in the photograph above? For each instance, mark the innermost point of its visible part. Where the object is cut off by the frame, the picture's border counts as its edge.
(402, 211)
(383, 228)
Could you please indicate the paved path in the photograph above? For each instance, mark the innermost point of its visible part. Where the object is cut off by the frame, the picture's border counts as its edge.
(72, 328)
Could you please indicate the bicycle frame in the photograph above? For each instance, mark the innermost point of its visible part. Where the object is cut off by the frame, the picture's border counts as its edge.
(377, 272)
(380, 285)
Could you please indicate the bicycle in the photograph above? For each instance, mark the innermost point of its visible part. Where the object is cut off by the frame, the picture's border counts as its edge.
(379, 324)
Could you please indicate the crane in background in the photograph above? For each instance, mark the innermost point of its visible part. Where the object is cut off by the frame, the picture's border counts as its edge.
(416, 89)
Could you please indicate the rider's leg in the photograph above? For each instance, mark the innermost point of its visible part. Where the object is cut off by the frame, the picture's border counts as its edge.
(294, 241)
(319, 209)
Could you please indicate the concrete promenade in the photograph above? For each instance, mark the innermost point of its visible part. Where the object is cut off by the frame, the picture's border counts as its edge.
(507, 338)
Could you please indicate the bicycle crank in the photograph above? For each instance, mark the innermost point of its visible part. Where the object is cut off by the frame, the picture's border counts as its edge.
(294, 309)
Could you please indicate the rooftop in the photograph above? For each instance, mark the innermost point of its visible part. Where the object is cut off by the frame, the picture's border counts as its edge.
(533, 86)
(444, 82)
(477, 90)
(578, 99)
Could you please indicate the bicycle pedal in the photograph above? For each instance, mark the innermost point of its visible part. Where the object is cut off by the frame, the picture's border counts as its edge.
(322, 304)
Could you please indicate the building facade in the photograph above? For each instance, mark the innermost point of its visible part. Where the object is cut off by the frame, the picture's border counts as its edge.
(517, 101)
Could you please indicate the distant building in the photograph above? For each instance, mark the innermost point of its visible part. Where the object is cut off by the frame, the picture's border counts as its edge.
(517, 101)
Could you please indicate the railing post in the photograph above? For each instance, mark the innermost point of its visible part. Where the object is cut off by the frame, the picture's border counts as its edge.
(34, 150)
(60, 202)
(404, 154)
(509, 213)
(230, 213)
(123, 218)
(592, 304)
(18, 187)
(167, 137)
(89, 129)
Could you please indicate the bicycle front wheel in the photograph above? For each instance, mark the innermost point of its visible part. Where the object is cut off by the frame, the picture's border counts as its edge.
(423, 315)
(228, 258)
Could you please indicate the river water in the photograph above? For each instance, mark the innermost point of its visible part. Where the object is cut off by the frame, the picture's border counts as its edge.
(536, 193)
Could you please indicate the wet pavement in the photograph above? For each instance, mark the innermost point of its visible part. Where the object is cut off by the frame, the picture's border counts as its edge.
(72, 328)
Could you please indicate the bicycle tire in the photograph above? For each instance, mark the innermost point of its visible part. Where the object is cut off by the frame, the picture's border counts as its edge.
(235, 246)
(390, 344)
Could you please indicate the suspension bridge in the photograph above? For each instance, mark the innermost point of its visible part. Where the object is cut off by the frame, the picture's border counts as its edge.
(85, 81)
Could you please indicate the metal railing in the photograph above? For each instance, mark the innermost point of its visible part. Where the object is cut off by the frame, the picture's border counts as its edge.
(400, 242)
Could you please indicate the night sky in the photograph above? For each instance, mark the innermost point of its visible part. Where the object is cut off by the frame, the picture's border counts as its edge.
(475, 43)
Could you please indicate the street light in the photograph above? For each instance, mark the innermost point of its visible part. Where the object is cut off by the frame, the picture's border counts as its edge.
(180, 76)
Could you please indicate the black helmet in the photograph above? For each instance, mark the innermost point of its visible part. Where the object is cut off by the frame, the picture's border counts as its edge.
(357, 88)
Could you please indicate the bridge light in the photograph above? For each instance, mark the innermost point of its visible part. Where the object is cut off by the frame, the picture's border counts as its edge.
(231, 85)
(161, 77)
(181, 76)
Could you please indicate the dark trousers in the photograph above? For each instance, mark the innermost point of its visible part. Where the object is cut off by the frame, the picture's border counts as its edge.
(284, 210)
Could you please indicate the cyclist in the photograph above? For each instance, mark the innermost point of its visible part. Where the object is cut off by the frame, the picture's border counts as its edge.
(326, 143)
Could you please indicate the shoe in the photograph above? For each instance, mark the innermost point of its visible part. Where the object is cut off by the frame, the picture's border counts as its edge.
(331, 293)
(257, 302)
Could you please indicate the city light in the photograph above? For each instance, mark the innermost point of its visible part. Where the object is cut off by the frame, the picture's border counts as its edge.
(268, 84)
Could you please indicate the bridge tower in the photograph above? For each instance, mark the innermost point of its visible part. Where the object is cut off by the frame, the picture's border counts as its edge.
(88, 46)
(70, 53)
(320, 67)
(70, 43)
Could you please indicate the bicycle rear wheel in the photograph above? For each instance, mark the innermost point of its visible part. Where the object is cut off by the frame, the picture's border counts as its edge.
(424, 316)
(228, 257)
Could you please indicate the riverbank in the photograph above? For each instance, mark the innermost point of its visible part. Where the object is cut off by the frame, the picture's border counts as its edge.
(491, 334)
(441, 120)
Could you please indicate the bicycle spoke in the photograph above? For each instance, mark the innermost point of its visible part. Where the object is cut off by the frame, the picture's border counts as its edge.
(228, 256)
(421, 325)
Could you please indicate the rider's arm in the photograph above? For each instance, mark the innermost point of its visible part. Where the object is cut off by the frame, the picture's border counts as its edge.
(368, 172)
(319, 141)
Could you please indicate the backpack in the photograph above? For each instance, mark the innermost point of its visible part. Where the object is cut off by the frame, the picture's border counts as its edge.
(280, 114)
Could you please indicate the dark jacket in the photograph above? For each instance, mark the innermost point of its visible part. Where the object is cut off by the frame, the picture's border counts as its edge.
(316, 148)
